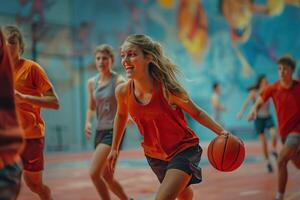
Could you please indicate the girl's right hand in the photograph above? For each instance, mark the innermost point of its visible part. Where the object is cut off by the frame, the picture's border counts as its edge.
(252, 115)
(88, 130)
(111, 161)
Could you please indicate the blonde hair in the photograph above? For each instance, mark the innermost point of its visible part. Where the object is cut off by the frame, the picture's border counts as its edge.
(161, 68)
(14, 31)
(105, 48)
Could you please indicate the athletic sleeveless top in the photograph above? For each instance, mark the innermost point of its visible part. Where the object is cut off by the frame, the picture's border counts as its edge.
(165, 130)
(106, 103)
(264, 110)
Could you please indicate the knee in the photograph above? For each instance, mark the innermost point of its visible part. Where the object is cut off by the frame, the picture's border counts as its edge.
(186, 194)
(94, 174)
(34, 187)
(282, 162)
(165, 197)
(108, 179)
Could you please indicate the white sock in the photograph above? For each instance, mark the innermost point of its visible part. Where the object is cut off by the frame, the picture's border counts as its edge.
(279, 196)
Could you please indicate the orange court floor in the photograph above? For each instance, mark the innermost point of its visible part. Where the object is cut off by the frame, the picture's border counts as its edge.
(67, 175)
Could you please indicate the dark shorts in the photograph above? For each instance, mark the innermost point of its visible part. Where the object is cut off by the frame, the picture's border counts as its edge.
(105, 137)
(262, 123)
(10, 181)
(293, 141)
(33, 155)
(186, 161)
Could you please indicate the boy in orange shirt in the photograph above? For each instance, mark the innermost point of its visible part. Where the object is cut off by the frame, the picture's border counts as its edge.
(33, 91)
(285, 94)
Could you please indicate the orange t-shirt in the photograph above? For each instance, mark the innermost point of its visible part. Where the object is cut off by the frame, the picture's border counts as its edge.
(287, 105)
(31, 79)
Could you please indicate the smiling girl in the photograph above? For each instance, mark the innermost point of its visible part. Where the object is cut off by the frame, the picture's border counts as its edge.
(155, 100)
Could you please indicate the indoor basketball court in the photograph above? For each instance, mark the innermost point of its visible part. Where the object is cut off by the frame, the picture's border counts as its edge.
(171, 75)
(67, 174)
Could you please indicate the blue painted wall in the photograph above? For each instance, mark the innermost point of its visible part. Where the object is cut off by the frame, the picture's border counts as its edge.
(69, 30)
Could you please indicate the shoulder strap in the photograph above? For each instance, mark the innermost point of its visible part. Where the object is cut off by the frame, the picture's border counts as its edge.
(96, 80)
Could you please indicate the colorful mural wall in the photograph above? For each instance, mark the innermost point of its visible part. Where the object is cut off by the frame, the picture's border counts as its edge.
(229, 41)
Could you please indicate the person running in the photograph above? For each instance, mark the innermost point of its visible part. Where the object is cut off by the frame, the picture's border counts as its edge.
(102, 100)
(33, 91)
(263, 121)
(285, 95)
(11, 136)
(217, 107)
(155, 100)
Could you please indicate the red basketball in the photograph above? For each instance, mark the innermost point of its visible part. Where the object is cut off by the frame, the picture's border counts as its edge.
(226, 153)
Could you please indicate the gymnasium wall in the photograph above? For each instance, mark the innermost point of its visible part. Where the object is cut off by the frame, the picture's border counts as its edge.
(197, 35)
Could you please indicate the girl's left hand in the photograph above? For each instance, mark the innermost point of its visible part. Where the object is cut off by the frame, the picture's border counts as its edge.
(224, 132)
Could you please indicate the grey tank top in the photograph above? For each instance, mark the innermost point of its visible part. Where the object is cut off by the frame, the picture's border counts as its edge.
(106, 103)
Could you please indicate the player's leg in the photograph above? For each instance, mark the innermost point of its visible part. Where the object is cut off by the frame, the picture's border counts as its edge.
(270, 125)
(187, 193)
(260, 125)
(296, 142)
(287, 153)
(114, 185)
(173, 184)
(33, 164)
(264, 145)
(34, 181)
(99, 169)
(180, 174)
(97, 166)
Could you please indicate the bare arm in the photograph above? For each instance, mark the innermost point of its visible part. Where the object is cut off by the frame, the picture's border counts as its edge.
(121, 117)
(253, 112)
(251, 97)
(120, 80)
(90, 110)
(197, 113)
(48, 100)
(120, 122)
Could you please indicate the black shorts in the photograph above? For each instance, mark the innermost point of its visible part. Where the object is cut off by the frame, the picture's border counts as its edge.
(262, 123)
(186, 161)
(105, 137)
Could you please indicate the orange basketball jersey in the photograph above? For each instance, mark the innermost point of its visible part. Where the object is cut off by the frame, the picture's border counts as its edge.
(165, 129)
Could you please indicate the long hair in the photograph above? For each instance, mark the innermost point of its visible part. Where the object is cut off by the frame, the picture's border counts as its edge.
(257, 83)
(161, 68)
